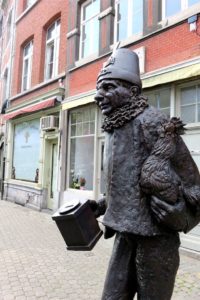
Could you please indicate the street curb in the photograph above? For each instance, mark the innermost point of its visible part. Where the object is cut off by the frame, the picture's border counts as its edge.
(189, 253)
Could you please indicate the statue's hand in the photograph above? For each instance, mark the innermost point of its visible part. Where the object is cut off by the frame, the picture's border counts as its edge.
(98, 207)
(171, 215)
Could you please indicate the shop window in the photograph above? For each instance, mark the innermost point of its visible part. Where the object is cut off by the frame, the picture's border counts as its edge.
(160, 99)
(26, 146)
(171, 8)
(82, 135)
(27, 66)
(52, 50)
(89, 40)
(190, 104)
(129, 18)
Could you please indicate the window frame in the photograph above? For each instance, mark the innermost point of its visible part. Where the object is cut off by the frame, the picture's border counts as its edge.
(29, 59)
(9, 26)
(5, 84)
(129, 20)
(184, 6)
(196, 83)
(55, 41)
(157, 92)
(13, 150)
(29, 3)
(70, 137)
(82, 23)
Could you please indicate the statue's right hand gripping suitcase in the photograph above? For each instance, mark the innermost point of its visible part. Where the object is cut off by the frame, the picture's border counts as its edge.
(77, 225)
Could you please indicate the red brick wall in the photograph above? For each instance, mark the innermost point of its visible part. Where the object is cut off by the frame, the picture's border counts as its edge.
(169, 47)
(32, 24)
(37, 93)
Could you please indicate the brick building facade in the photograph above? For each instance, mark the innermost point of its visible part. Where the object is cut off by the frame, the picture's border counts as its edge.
(33, 114)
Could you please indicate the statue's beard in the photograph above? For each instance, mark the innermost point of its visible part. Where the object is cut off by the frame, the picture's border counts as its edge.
(122, 115)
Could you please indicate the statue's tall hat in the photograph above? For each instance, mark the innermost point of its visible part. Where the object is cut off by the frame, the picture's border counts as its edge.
(123, 64)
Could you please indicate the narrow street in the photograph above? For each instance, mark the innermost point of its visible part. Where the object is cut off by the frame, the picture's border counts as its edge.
(35, 264)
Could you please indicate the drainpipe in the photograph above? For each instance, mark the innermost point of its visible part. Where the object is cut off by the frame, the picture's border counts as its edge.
(10, 75)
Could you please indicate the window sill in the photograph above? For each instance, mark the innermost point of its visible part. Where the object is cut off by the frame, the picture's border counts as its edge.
(41, 85)
(90, 59)
(78, 194)
(26, 11)
(181, 16)
(23, 183)
(192, 126)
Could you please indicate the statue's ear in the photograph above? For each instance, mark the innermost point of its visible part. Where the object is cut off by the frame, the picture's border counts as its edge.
(135, 90)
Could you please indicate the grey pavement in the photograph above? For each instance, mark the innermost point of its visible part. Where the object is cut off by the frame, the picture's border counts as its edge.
(35, 264)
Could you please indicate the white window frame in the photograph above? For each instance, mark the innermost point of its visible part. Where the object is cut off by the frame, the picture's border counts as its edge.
(178, 102)
(27, 58)
(92, 33)
(5, 84)
(70, 137)
(30, 3)
(184, 5)
(129, 17)
(9, 26)
(54, 40)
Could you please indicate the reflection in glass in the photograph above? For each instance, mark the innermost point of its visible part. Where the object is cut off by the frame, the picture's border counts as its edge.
(188, 95)
(192, 2)
(82, 148)
(160, 99)
(172, 7)
(188, 113)
(82, 162)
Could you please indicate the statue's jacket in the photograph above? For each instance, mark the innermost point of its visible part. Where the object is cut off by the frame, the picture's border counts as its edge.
(126, 149)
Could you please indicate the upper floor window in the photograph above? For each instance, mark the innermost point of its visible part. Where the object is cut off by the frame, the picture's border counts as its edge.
(171, 8)
(29, 2)
(5, 85)
(160, 99)
(9, 26)
(1, 26)
(129, 18)
(27, 66)
(89, 28)
(190, 104)
(52, 50)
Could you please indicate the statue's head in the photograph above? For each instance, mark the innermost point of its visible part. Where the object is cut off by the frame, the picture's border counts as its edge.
(118, 81)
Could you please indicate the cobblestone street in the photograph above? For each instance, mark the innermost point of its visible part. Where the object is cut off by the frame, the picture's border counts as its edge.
(35, 264)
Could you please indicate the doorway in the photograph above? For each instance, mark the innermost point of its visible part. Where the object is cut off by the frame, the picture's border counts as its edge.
(100, 190)
(51, 172)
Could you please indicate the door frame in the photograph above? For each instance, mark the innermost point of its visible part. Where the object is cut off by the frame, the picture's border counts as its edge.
(49, 141)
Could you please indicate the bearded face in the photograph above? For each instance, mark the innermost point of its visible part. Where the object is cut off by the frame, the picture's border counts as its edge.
(112, 94)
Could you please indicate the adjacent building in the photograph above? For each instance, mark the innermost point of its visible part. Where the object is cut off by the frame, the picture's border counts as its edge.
(33, 112)
(7, 36)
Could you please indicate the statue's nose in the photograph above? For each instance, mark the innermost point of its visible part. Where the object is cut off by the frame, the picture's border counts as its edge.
(98, 97)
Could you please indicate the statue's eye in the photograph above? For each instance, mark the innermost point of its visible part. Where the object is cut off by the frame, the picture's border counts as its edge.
(109, 87)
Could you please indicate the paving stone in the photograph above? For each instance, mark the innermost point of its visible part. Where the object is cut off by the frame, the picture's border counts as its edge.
(36, 265)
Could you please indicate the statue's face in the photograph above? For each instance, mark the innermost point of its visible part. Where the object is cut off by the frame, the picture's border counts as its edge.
(111, 95)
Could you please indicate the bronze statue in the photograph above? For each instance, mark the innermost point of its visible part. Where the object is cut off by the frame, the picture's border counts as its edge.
(153, 186)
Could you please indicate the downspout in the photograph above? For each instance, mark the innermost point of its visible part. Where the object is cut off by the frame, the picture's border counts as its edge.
(12, 54)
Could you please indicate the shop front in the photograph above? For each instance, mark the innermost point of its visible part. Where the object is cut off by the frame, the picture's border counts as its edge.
(31, 177)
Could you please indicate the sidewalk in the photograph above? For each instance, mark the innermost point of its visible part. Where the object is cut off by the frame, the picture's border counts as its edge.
(34, 262)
